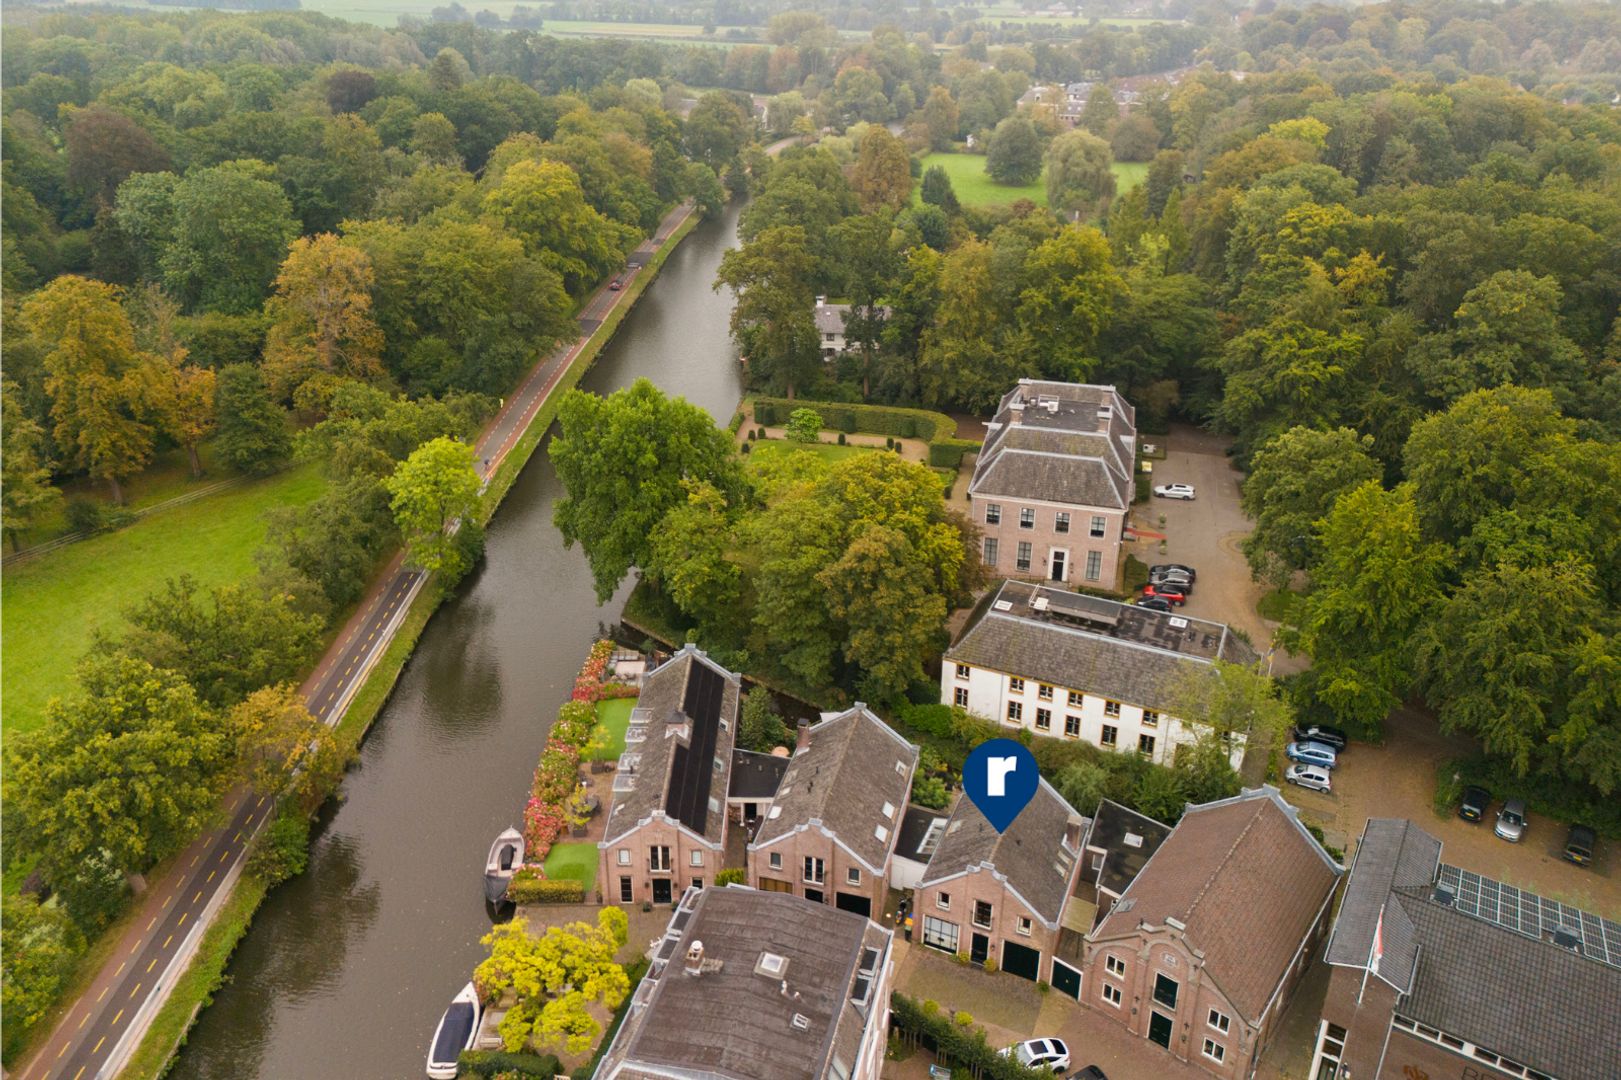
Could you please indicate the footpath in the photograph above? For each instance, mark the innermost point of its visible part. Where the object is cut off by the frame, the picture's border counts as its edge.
(102, 1029)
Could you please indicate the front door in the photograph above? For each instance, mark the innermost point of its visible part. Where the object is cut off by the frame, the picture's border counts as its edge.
(1066, 980)
(661, 890)
(1159, 1028)
(981, 949)
(1060, 562)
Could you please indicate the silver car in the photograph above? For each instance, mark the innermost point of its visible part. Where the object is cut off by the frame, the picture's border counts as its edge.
(1314, 777)
(1511, 821)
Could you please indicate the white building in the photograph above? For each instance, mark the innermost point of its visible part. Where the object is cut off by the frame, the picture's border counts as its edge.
(1070, 666)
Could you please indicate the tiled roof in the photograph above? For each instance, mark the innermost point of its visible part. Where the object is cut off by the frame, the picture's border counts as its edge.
(851, 766)
(1060, 442)
(1392, 853)
(1030, 855)
(1127, 839)
(830, 318)
(915, 827)
(659, 772)
(755, 777)
(1246, 881)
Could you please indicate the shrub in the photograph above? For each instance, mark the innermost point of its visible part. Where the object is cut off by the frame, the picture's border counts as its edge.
(283, 851)
(843, 439)
(961, 958)
(527, 887)
(962, 1019)
(492, 1063)
(752, 437)
(931, 1007)
(760, 432)
(732, 875)
(1043, 986)
(804, 425)
(745, 447)
(889, 443)
(736, 422)
(91, 516)
(930, 792)
(990, 965)
(908, 427)
(1448, 788)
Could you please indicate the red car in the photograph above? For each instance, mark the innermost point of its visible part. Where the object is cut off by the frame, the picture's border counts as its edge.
(1173, 593)
(614, 285)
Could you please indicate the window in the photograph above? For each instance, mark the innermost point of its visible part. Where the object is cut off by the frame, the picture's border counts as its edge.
(624, 856)
(1218, 1020)
(1075, 699)
(993, 513)
(1150, 718)
(658, 858)
(1023, 926)
(1111, 735)
(960, 697)
(963, 671)
(1100, 527)
(1165, 989)
(1015, 686)
(1044, 692)
(1145, 744)
(776, 860)
(815, 871)
(1111, 709)
(1114, 966)
(942, 901)
(939, 934)
(1094, 565)
(990, 551)
(1044, 719)
(697, 858)
(1015, 712)
(1072, 726)
(625, 894)
(1214, 1050)
(1061, 522)
(1112, 995)
(982, 913)
(1027, 518)
(1022, 561)
(697, 883)
(852, 876)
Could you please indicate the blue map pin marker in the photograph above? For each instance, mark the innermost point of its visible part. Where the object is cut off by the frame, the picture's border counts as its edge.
(1000, 776)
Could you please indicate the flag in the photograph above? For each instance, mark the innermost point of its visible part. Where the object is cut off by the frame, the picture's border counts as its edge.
(1378, 942)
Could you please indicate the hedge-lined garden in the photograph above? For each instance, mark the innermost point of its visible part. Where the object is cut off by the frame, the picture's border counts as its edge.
(957, 1045)
(937, 429)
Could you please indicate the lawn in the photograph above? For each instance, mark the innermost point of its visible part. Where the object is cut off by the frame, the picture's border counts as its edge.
(613, 716)
(1128, 174)
(974, 188)
(51, 606)
(577, 861)
(772, 449)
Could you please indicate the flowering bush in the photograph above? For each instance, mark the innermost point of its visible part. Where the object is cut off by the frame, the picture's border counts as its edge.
(617, 690)
(543, 823)
(575, 722)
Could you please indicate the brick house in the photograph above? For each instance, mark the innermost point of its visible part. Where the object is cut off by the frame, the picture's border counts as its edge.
(666, 828)
(1053, 483)
(1002, 896)
(1203, 951)
(1081, 667)
(829, 834)
(748, 985)
(1438, 972)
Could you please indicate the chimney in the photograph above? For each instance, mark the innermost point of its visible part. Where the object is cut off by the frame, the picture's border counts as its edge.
(1015, 413)
(802, 735)
(821, 301)
(695, 958)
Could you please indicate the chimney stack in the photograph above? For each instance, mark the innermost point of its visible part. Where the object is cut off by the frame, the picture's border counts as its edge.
(695, 958)
(801, 734)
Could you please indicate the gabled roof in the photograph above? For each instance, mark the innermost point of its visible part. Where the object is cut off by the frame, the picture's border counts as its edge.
(678, 749)
(1392, 853)
(831, 318)
(1033, 856)
(755, 777)
(1127, 840)
(1060, 442)
(1246, 881)
(850, 768)
(921, 829)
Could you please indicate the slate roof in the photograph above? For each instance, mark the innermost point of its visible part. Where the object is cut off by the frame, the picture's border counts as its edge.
(1031, 855)
(1245, 879)
(1138, 658)
(915, 826)
(730, 1021)
(678, 764)
(1392, 853)
(1054, 442)
(1113, 829)
(830, 318)
(755, 777)
(850, 766)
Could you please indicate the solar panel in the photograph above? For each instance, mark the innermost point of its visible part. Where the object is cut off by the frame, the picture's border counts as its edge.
(1532, 915)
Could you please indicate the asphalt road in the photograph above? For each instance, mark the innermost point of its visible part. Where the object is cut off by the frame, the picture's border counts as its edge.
(105, 1025)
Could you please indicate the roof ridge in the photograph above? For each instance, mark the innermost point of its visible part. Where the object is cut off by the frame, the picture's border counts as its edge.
(1216, 871)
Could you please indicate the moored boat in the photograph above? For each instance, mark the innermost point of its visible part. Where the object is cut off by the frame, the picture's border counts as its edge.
(456, 1031)
(506, 855)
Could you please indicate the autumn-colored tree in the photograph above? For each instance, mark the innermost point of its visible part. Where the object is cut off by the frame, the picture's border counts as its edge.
(940, 118)
(321, 316)
(25, 482)
(284, 750)
(882, 175)
(555, 977)
(104, 147)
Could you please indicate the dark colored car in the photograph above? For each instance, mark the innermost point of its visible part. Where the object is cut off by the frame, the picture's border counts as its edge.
(1176, 594)
(1155, 603)
(1579, 845)
(1169, 567)
(615, 285)
(1174, 577)
(1091, 1072)
(1475, 801)
(1323, 733)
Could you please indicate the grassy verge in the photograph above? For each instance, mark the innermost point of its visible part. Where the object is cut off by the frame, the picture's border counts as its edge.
(577, 861)
(613, 717)
(1280, 605)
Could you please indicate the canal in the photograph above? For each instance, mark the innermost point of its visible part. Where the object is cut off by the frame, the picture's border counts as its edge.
(347, 968)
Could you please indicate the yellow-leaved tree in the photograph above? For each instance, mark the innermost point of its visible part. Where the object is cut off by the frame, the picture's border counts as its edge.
(555, 978)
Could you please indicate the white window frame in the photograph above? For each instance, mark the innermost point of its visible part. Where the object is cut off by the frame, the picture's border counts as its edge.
(1104, 738)
(1100, 526)
(1027, 517)
(852, 875)
(1219, 1020)
(942, 900)
(935, 934)
(697, 858)
(1220, 1055)
(1115, 966)
(1023, 926)
(993, 513)
(774, 860)
(1072, 726)
(1061, 522)
(624, 856)
(964, 671)
(959, 697)
(1015, 712)
(1111, 994)
(1094, 565)
(1015, 685)
(1044, 719)
(990, 553)
(1021, 557)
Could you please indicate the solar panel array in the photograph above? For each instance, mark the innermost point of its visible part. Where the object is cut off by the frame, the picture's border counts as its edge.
(1532, 915)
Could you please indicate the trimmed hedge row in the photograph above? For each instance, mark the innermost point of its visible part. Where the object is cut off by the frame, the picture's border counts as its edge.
(498, 1062)
(939, 430)
(959, 1047)
(527, 887)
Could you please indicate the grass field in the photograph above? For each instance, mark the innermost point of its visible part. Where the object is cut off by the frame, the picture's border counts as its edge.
(52, 605)
(772, 449)
(1128, 174)
(577, 861)
(613, 716)
(974, 188)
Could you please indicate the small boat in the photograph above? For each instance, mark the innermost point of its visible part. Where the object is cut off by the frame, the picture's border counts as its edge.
(506, 855)
(456, 1031)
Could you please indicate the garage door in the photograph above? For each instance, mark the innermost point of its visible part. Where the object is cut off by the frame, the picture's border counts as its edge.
(1021, 960)
(774, 885)
(861, 905)
(1066, 979)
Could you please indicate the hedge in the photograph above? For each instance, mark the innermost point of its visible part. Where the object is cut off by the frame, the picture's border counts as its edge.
(954, 1046)
(527, 888)
(496, 1062)
(939, 430)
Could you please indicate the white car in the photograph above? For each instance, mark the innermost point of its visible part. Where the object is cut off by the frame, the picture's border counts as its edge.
(1174, 491)
(1040, 1054)
(1314, 777)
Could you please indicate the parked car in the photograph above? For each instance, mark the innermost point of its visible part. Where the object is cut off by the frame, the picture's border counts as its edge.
(1174, 491)
(1475, 801)
(1046, 1053)
(615, 285)
(1312, 753)
(1314, 777)
(1174, 577)
(1323, 733)
(1176, 594)
(1511, 822)
(1154, 603)
(1579, 845)
(1181, 568)
(1091, 1072)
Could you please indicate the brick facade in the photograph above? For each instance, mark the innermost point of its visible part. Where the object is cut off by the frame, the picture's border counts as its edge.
(1008, 914)
(629, 858)
(837, 864)
(1076, 543)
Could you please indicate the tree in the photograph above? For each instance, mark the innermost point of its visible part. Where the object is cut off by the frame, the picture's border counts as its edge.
(937, 189)
(687, 560)
(1377, 582)
(1232, 701)
(321, 316)
(716, 129)
(101, 387)
(941, 118)
(804, 425)
(433, 138)
(1071, 292)
(962, 361)
(882, 175)
(773, 321)
(1285, 374)
(26, 491)
(625, 461)
(283, 750)
(131, 767)
(1083, 785)
(1135, 138)
(438, 484)
(1080, 173)
(188, 416)
(1293, 482)
(333, 542)
(1014, 154)
(761, 729)
(1101, 111)
(231, 228)
(348, 90)
(555, 978)
(39, 949)
(448, 71)
(104, 147)
(893, 614)
(253, 435)
(542, 203)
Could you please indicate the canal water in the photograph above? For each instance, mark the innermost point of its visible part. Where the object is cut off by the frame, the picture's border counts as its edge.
(347, 968)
